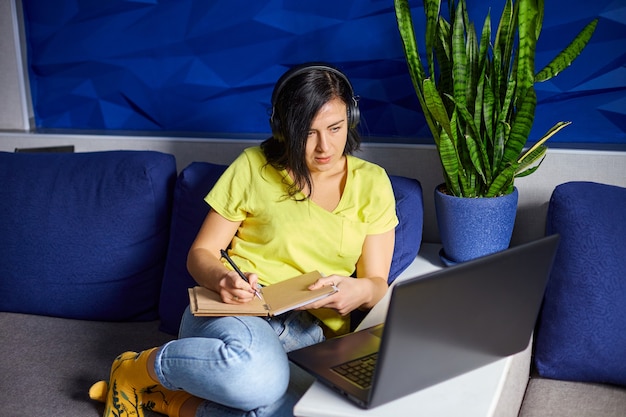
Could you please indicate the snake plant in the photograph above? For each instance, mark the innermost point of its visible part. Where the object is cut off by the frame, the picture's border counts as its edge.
(478, 94)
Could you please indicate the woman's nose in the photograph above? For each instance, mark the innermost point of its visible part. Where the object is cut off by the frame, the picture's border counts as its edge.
(322, 142)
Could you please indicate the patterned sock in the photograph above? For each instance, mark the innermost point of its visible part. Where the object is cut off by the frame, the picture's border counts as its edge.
(131, 390)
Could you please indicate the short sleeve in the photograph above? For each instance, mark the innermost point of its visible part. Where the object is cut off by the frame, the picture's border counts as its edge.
(386, 218)
(231, 194)
(371, 197)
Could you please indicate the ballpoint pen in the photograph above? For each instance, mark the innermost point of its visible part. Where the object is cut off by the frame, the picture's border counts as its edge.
(236, 268)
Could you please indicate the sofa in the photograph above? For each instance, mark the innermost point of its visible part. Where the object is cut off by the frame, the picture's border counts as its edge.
(93, 250)
(92, 263)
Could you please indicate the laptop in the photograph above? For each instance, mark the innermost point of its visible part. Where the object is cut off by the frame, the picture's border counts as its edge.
(438, 326)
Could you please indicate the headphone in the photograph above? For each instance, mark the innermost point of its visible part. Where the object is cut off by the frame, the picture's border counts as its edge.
(354, 114)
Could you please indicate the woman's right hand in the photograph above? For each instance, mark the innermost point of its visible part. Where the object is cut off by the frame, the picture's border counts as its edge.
(234, 290)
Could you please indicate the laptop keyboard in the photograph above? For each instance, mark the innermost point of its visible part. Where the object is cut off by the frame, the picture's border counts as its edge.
(359, 371)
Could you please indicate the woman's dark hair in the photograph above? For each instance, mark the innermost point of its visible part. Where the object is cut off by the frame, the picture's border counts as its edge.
(296, 102)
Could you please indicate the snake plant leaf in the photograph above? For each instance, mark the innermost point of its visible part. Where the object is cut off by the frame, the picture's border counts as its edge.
(565, 58)
(435, 106)
(502, 135)
(483, 47)
(553, 130)
(488, 115)
(520, 129)
(527, 24)
(503, 183)
(473, 70)
(477, 156)
(443, 48)
(503, 50)
(482, 70)
(478, 103)
(450, 163)
(539, 22)
(466, 175)
(528, 162)
(459, 56)
(528, 171)
(531, 162)
(466, 117)
(431, 9)
(405, 25)
(503, 126)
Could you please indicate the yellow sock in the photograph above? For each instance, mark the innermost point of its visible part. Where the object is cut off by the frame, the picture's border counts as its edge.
(131, 390)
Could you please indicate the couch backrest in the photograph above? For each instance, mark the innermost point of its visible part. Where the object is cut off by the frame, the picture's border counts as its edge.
(84, 235)
(105, 235)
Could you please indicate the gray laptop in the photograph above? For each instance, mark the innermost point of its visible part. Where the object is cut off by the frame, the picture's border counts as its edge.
(438, 326)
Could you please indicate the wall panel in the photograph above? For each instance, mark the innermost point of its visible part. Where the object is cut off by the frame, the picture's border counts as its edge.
(209, 66)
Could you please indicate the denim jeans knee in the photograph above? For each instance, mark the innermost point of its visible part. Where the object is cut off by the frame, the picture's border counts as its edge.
(216, 356)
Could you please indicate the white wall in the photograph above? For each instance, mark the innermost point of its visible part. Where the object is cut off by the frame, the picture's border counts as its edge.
(414, 161)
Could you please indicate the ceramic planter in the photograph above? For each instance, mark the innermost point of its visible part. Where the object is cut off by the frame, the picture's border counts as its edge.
(473, 227)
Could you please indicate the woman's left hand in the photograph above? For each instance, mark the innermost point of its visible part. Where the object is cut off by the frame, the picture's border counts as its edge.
(352, 293)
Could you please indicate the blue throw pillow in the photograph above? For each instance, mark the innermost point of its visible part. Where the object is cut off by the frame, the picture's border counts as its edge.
(581, 333)
(410, 212)
(84, 235)
(190, 209)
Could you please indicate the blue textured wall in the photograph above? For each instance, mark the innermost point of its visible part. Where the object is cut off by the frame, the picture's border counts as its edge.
(209, 66)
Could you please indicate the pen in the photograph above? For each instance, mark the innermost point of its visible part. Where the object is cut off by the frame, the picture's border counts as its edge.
(236, 268)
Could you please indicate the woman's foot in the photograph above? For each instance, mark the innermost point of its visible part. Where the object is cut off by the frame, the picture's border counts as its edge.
(131, 390)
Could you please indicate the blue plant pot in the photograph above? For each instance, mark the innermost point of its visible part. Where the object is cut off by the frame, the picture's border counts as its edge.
(473, 227)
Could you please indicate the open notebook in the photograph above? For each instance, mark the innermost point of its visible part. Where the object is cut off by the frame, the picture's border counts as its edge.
(277, 298)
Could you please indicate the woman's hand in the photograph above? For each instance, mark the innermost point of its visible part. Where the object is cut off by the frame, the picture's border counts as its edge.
(369, 287)
(352, 293)
(234, 290)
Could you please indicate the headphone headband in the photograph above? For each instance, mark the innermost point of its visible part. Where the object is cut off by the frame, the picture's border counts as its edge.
(297, 70)
(353, 107)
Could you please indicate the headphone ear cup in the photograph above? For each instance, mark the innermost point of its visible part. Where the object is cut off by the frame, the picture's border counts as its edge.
(354, 114)
(276, 127)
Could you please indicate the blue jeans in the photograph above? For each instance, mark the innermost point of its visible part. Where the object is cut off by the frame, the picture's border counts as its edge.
(238, 364)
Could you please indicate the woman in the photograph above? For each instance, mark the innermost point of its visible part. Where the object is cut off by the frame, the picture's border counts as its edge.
(299, 202)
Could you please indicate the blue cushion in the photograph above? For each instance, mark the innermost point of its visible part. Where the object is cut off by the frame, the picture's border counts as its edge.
(581, 333)
(84, 235)
(410, 212)
(189, 211)
(196, 180)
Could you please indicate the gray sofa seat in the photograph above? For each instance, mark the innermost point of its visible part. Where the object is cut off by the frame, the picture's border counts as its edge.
(555, 398)
(56, 360)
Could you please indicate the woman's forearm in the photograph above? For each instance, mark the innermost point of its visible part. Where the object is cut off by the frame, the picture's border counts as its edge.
(205, 268)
